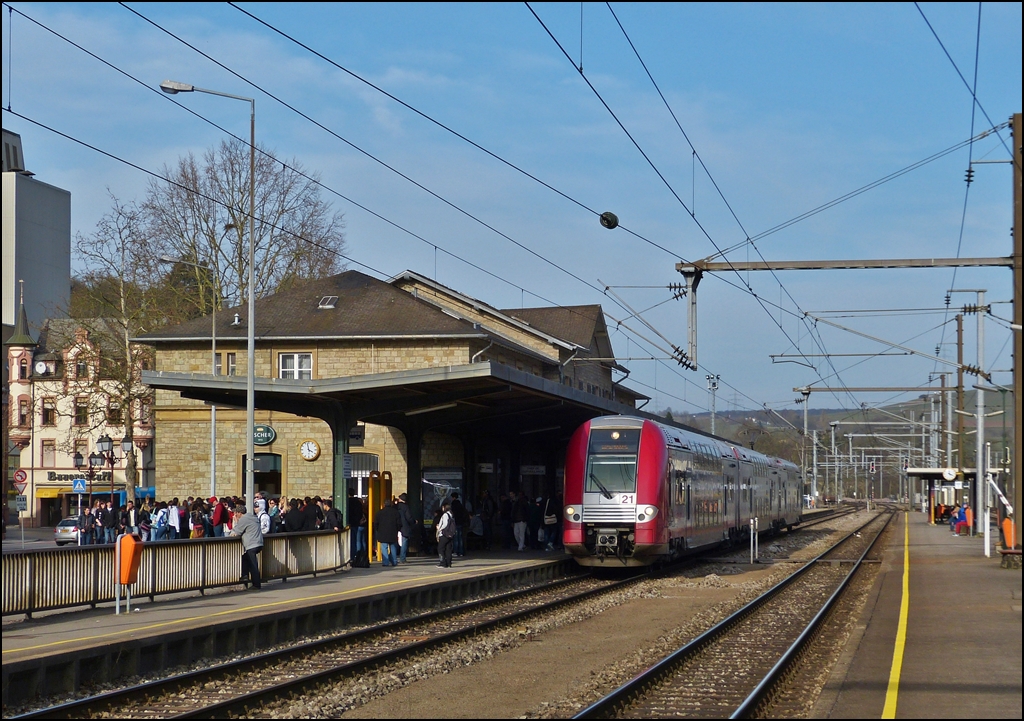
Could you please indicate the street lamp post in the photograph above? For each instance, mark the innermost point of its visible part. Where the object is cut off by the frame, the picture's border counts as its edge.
(105, 446)
(95, 461)
(213, 367)
(172, 87)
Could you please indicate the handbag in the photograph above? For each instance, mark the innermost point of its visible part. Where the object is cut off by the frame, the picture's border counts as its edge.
(549, 518)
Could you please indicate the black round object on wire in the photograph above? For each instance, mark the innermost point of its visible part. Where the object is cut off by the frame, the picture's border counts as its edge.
(609, 220)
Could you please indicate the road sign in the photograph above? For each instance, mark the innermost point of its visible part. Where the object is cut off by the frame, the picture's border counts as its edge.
(22, 502)
(20, 487)
(20, 476)
(78, 485)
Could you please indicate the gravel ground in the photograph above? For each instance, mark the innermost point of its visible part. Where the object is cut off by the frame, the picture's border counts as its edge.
(522, 672)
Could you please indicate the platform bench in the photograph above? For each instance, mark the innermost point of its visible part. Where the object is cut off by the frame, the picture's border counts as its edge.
(1011, 558)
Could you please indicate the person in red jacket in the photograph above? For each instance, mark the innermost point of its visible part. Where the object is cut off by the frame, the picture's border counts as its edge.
(219, 516)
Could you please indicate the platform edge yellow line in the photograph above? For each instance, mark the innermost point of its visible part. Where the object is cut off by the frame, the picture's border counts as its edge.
(892, 692)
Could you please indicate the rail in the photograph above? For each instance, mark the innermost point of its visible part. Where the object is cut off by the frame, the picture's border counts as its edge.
(46, 579)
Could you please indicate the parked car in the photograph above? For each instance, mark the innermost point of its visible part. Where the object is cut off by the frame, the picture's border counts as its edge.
(66, 532)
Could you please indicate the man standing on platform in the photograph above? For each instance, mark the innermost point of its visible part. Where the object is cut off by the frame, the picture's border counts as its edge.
(445, 536)
(218, 517)
(408, 526)
(247, 525)
(386, 525)
(520, 515)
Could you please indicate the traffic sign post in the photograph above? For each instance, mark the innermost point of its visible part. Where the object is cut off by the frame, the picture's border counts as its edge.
(20, 484)
(78, 486)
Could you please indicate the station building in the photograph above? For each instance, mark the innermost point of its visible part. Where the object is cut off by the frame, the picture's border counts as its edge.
(355, 375)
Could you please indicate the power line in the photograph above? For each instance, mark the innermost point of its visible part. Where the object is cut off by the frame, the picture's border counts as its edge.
(964, 80)
(360, 150)
(285, 165)
(665, 181)
(369, 155)
(441, 125)
(169, 181)
(859, 191)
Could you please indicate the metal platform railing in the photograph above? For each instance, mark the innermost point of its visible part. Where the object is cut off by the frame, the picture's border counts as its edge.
(50, 578)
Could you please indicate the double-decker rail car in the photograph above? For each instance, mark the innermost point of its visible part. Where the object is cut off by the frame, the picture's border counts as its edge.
(638, 492)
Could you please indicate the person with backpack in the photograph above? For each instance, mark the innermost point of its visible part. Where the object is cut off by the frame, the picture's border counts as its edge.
(332, 516)
(445, 535)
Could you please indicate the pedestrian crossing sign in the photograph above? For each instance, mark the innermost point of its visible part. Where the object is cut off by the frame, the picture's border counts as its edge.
(78, 485)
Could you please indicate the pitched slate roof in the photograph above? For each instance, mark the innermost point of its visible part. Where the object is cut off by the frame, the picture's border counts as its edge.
(365, 308)
(576, 324)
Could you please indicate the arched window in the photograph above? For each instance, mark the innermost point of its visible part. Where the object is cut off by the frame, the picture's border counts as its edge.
(23, 369)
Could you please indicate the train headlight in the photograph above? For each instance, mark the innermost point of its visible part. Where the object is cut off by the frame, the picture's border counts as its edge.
(646, 513)
(572, 514)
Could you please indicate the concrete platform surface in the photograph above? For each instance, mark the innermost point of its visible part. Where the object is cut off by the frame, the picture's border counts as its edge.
(962, 649)
(57, 633)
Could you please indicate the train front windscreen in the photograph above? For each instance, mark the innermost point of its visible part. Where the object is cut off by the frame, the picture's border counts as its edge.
(611, 462)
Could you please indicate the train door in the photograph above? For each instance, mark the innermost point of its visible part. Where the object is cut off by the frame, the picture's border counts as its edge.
(730, 502)
(745, 494)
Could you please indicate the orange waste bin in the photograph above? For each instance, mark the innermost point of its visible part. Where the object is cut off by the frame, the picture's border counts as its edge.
(129, 549)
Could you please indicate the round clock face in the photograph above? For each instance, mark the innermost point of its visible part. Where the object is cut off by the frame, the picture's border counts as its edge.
(309, 450)
(40, 367)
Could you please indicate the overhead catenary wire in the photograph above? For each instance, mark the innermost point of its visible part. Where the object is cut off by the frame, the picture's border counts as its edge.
(974, 95)
(366, 153)
(285, 165)
(656, 170)
(447, 128)
(160, 177)
(443, 126)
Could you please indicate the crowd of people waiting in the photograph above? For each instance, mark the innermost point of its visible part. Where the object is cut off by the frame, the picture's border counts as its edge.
(513, 521)
(102, 522)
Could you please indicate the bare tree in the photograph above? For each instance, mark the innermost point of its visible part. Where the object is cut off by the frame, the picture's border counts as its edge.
(115, 300)
(203, 217)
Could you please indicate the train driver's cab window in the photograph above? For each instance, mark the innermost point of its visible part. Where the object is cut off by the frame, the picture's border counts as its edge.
(611, 465)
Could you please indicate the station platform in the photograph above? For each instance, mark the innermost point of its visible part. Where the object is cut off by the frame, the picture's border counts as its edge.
(961, 641)
(60, 651)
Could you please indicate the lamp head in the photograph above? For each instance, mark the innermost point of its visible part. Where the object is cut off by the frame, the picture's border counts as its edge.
(173, 87)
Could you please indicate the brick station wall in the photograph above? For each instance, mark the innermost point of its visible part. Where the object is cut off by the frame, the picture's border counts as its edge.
(183, 460)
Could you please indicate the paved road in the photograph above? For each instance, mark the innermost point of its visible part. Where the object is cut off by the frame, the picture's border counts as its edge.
(34, 538)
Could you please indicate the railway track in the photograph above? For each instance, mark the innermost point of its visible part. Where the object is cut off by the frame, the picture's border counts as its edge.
(245, 685)
(736, 667)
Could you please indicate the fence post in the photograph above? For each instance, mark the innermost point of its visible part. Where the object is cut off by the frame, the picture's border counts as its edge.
(95, 575)
(152, 574)
(31, 586)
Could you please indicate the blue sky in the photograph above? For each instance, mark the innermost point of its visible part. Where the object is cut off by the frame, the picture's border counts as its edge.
(788, 106)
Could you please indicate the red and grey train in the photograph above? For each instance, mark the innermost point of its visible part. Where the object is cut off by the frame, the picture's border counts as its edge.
(638, 492)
